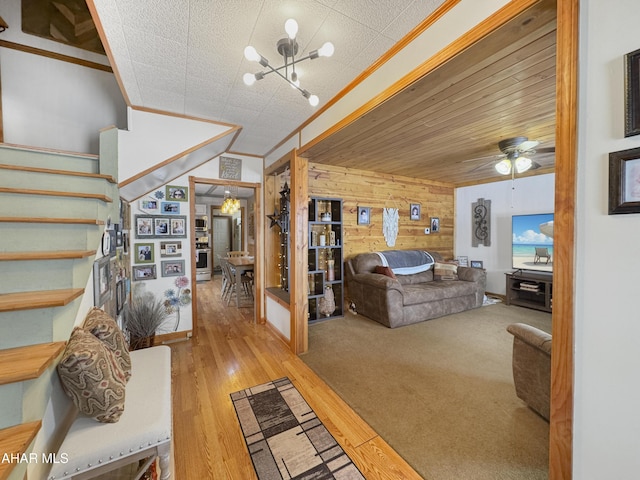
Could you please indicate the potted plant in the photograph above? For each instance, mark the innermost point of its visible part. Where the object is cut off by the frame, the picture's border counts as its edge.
(142, 318)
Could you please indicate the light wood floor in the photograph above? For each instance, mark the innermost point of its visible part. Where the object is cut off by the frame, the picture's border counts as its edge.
(231, 353)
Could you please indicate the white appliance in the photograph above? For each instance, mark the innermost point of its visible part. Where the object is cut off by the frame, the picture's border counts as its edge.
(203, 264)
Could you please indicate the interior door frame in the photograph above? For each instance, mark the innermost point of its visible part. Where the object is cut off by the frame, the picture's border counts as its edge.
(258, 311)
(562, 359)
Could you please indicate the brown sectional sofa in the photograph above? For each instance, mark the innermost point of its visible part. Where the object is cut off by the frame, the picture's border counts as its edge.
(410, 298)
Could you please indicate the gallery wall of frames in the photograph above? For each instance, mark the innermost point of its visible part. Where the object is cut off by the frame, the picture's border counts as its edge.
(160, 251)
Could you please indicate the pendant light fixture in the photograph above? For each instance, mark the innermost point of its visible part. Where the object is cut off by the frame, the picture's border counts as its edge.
(231, 203)
(288, 48)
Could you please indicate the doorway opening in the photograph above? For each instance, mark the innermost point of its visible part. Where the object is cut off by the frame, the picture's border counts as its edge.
(224, 232)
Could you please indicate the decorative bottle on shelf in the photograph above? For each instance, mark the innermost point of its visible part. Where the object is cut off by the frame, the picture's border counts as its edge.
(331, 275)
(327, 304)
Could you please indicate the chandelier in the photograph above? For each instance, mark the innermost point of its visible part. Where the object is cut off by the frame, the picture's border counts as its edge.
(288, 48)
(231, 203)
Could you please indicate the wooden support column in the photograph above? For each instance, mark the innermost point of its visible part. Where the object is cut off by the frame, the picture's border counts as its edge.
(298, 266)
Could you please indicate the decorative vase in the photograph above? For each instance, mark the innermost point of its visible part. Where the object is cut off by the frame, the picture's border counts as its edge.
(331, 276)
(327, 304)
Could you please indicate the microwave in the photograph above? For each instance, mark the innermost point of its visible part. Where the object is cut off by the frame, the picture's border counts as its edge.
(201, 224)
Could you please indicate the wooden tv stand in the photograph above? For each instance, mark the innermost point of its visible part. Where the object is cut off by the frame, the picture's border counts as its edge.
(531, 290)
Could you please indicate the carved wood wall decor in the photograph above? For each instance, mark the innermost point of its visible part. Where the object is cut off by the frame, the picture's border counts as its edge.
(481, 223)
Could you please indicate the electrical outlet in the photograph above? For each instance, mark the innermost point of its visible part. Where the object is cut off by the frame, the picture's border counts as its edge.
(427, 231)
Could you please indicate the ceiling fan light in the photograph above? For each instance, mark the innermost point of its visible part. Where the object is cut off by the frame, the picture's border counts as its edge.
(504, 167)
(523, 164)
(291, 27)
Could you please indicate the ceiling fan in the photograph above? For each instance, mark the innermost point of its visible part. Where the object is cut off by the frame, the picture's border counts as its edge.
(516, 156)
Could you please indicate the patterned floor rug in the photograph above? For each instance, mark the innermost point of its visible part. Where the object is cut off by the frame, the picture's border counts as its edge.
(285, 438)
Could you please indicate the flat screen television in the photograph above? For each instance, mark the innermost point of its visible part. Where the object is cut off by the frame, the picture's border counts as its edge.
(532, 242)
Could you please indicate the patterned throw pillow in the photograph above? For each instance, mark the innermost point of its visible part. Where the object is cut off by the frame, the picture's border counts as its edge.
(385, 271)
(92, 377)
(99, 323)
(445, 271)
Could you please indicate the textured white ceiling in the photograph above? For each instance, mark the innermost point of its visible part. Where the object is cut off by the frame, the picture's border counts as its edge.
(186, 56)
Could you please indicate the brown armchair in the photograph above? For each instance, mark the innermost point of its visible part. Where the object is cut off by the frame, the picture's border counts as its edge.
(531, 364)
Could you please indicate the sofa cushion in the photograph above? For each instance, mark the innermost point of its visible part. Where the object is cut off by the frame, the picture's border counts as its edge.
(385, 271)
(91, 376)
(445, 271)
(100, 324)
(415, 278)
(414, 294)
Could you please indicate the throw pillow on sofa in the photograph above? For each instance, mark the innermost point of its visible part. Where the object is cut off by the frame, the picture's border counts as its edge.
(105, 328)
(91, 376)
(385, 271)
(445, 271)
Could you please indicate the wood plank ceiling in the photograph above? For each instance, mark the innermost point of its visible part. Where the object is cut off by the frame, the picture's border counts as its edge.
(447, 125)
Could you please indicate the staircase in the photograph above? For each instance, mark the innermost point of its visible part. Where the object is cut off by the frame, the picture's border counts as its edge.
(53, 208)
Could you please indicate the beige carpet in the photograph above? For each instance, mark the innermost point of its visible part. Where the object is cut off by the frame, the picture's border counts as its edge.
(440, 392)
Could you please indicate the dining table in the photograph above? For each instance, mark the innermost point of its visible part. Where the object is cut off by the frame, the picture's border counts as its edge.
(241, 265)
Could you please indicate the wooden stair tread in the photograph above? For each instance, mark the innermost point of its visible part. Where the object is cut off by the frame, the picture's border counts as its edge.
(46, 255)
(55, 193)
(15, 440)
(108, 178)
(71, 221)
(26, 363)
(38, 299)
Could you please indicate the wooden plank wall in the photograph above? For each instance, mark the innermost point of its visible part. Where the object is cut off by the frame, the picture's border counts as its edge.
(369, 189)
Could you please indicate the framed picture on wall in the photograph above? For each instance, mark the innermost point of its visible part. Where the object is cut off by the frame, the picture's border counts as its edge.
(463, 261)
(178, 227)
(144, 226)
(143, 272)
(172, 268)
(161, 226)
(632, 94)
(414, 211)
(176, 193)
(143, 253)
(170, 249)
(170, 208)
(149, 205)
(364, 215)
(624, 181)
(435, 224)
(101, 281)
(477, 264)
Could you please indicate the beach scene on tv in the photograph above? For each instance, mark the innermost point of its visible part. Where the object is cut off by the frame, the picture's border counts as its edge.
(532, 243)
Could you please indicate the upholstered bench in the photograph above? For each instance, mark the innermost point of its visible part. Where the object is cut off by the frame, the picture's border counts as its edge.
(143, 431)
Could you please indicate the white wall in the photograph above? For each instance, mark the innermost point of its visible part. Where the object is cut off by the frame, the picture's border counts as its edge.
(607, 323)
(181, 320)
(524, 196)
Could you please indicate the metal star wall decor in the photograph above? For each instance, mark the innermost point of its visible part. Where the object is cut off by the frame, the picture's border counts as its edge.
(285, 193)
(275, 219)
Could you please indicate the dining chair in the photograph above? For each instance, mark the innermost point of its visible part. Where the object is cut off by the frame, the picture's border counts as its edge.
(237, 253)
(230, 277)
